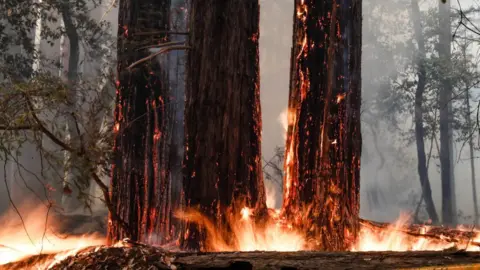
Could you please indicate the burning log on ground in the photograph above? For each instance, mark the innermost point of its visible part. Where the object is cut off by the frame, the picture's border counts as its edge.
(144, 257)
(416, 237)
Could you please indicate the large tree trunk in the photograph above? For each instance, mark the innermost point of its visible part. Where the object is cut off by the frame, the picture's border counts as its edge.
(222, 114)
(449, 214)
(324, 139)
(419, 130)
(139, 184)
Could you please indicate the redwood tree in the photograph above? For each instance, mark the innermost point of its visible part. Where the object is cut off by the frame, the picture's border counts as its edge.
(139, 185)
(324, 139)
(222, 165)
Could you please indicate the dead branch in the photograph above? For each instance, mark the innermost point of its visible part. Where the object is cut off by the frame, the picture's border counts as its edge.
(47, 132)
(11, 200)
(162, 51)
(17, 128)
(108, 203)
(81, 153)
(153, 33)
(161, 45)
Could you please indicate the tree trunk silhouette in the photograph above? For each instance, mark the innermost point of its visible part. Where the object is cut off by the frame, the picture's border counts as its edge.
(140, 175)
(222, 115)
(419, 130)
(446, 149)
(468, 119)
(324, 139)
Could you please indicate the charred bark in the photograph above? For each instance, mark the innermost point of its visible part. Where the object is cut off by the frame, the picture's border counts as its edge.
(222, 165)
(324, 138)
(139, 184)
(419, 130)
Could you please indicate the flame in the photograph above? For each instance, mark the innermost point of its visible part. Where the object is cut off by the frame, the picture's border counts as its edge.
(395, 238)
(39, 222)
(282, 235)
(276, 234)
(246, 234)
(286, 119)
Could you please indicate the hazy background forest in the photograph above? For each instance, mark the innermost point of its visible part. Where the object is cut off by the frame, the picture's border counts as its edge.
(389, 177)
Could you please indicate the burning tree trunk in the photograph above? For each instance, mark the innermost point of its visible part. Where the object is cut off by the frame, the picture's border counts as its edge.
(222, 115)
(139, 185)
(324, 139)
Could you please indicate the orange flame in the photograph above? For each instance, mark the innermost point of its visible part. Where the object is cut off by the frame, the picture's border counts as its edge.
(393, 238)
(274, 235)
(247, 235)
(16, 244)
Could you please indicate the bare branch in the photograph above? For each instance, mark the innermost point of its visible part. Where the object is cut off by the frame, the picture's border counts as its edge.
(161, 45)
(162, 51)
(47, 132)
(11, 200)
(109, 204)
(153, 33)
(16, 128)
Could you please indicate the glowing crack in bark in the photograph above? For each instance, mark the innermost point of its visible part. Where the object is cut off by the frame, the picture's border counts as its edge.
(322, 165)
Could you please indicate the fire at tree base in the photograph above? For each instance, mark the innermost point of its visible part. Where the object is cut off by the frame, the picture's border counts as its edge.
(451, 247)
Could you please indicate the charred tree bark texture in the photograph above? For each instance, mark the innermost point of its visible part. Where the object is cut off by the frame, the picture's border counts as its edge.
(222, 115)
(139, 184)
(324, 141)
(419, 130)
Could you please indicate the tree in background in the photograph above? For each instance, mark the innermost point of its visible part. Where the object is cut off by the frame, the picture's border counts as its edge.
(446, 116)
(418, 111)
(428, 71)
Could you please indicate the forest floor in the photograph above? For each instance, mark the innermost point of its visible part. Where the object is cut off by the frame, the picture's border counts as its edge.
(145, 257)
(132, 255)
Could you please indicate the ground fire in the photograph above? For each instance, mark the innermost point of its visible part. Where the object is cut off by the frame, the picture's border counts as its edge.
(274, 235)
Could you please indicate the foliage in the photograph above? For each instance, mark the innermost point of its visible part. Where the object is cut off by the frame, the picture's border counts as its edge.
(34, 104)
